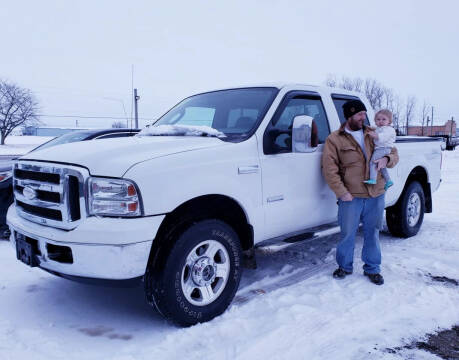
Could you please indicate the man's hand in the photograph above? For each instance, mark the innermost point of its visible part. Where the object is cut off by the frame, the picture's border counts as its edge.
(346, 197)
(373, 135)
(381, 163)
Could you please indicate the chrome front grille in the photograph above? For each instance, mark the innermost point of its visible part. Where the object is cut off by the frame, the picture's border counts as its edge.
(50, 194)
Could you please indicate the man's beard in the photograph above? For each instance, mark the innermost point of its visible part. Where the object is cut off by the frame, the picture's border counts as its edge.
(354, 125)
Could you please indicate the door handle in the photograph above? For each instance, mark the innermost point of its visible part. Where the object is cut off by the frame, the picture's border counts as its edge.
(247, 169)
(275, 198)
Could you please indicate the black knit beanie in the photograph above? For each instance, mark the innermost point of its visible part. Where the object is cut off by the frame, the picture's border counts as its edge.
(352, 107)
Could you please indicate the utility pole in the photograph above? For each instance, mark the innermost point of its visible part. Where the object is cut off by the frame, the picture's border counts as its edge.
(431, 123)
(452, 122)
(136, 99)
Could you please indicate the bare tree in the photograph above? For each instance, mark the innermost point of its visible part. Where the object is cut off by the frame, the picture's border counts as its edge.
(409, 111)
(381, 97)
(424, 117)
(358, 84)
(17, 107)
(397, 105)
(118, 124)
(372, 89)
(388, 98)
(374, 92)
(347, 83)
(331, 81)
(394, 104)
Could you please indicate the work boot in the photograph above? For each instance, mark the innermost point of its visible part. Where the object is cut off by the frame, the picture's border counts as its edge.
(340, 273)
(375, 278)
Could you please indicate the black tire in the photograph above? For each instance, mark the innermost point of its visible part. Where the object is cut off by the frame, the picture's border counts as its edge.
(400, 218)
(163, 281)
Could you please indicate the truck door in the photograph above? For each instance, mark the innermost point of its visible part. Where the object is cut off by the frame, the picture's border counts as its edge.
(295, 194)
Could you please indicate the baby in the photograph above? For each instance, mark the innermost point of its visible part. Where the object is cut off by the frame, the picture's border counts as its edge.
(384, 139)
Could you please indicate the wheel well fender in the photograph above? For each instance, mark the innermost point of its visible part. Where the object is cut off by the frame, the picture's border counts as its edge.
(419, 174)
(215, 206)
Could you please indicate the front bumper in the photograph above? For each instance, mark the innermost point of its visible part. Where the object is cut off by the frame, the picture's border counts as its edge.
(101, 248)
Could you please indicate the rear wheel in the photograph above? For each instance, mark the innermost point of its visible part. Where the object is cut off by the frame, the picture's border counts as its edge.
(404, 219)
(199, 273)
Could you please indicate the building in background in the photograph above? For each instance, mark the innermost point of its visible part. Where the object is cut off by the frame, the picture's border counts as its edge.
(449, 129)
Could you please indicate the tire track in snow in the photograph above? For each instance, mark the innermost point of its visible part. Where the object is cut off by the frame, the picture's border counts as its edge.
(318, 252)
(243, 296)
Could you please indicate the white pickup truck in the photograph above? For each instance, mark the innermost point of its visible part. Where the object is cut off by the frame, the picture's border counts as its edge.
(182, 203)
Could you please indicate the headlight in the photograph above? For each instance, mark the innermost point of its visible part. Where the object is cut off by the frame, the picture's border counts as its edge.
(5, 175)
(113, 197)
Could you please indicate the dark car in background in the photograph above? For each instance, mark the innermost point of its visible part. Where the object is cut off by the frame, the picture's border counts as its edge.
(6, 174)
(6, 193)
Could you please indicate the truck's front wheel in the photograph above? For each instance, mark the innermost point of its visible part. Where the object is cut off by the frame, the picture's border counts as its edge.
(404, 219)
(199, 274)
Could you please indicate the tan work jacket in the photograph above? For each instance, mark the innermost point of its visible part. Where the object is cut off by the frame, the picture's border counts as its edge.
(345, 167)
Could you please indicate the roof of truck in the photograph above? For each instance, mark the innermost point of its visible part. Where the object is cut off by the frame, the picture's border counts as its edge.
(281, 85)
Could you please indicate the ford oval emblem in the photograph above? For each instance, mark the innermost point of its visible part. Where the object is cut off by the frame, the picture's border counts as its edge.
(29, 193)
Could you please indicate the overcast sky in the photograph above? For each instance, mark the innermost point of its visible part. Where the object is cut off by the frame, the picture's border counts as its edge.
(77, 56)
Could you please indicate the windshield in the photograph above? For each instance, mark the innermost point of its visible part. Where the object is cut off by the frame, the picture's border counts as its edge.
(236, 112)
(66, 138)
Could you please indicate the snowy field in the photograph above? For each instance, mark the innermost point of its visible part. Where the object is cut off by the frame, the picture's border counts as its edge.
(289, 308)
(20, 145)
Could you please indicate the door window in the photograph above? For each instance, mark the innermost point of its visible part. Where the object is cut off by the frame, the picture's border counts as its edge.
(339, 100)
(278, 135)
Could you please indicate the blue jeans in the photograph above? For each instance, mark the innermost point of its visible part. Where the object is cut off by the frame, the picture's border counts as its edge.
(369, 211)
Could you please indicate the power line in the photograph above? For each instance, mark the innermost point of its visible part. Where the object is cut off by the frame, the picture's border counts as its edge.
(89, 117)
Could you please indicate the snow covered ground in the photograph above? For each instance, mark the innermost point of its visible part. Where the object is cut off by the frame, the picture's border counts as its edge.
(20, 145)
(289, 308)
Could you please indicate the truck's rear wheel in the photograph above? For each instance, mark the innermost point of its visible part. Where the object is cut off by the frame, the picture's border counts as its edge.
(404, 219)
(199, 274)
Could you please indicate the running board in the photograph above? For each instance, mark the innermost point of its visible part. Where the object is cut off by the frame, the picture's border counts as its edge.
(282, 242)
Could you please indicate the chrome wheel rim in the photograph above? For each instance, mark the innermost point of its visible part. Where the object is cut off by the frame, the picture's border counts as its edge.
(205, 273)
(413, 209)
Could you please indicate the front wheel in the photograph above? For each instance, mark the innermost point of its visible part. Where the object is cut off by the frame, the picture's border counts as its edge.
(199, 274)
(404, 219)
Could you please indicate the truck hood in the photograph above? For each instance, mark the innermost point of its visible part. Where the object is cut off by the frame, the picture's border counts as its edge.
(113, 157)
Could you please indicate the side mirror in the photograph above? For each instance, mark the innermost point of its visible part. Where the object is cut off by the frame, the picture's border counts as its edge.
(304, 134)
